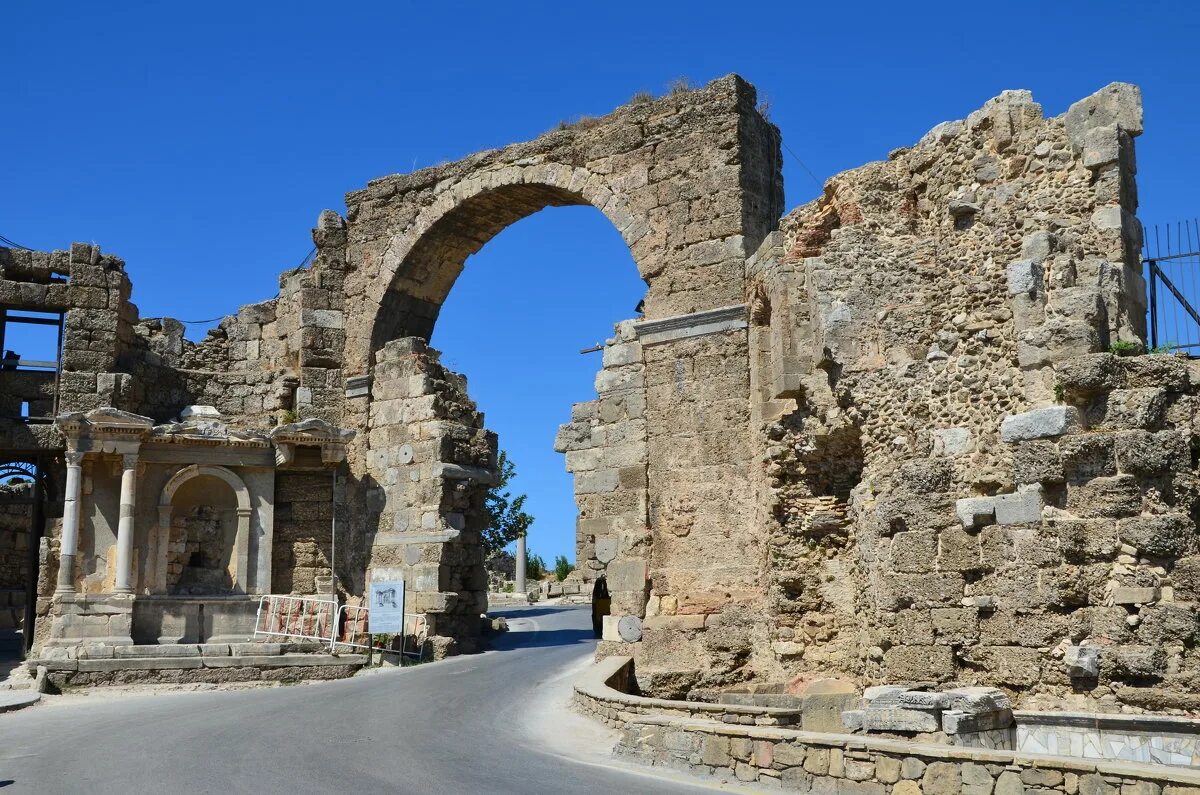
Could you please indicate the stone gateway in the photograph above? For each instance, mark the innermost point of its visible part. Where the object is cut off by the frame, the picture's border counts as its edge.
(876, 438)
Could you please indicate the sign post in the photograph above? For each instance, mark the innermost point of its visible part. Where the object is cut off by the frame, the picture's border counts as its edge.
(385, 615)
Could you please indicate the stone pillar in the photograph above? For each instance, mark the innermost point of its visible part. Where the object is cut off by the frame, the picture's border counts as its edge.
(520, 573)
(124, 578)
(70, 525)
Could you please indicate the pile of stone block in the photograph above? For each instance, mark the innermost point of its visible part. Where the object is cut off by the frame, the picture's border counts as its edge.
(908, 710)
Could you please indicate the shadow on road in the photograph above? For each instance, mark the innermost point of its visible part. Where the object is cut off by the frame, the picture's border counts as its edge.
(533, 612)
(511, 641)
(523, 635)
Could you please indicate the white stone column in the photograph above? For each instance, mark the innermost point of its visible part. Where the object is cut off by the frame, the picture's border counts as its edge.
(69, 543)
(124, 578)
(520, 573)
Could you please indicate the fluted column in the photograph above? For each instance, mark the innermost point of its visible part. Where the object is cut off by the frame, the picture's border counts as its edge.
(69, 543)
(124, 578)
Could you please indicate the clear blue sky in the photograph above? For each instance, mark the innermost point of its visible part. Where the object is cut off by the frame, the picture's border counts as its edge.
(199, 141)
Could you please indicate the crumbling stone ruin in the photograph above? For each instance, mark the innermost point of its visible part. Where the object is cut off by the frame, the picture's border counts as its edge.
(876, 438)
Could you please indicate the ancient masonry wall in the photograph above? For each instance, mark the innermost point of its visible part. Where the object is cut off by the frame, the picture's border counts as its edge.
(15, 523)
(901, 322)
(433, 460)
(605, 447)
(797, 461)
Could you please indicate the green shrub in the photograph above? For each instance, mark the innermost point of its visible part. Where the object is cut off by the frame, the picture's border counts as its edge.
(562, 567)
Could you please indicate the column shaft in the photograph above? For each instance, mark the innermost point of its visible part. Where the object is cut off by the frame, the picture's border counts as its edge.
(124, 578)
(69, 543)
(520, 573)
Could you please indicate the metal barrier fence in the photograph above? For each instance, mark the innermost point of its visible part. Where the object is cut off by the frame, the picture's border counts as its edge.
(302, 617)
(324, 621)
(354, 622)
(1171, 263)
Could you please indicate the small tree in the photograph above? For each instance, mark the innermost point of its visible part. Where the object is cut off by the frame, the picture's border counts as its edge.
(507, 521)
(535, 567)
(562, 567)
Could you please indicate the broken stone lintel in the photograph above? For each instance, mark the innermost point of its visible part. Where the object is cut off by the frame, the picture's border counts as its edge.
(695, 324)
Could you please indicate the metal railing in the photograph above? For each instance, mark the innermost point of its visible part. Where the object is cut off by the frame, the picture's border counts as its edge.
(1171, 262)
(323, 620)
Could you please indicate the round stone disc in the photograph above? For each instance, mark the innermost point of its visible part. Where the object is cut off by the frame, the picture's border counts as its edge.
(630, 629)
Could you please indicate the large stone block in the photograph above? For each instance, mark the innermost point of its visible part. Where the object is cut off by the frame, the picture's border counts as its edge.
(976, 511)
(1160, 536)
(917, 663)
(1127, 409)
(1043, 423)
(1140, 452)
(824, 702)
(1037, 461)
(899, 719)
(630, 574)
(1022, 507)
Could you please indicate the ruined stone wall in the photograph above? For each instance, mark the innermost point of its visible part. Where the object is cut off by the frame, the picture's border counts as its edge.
(796, 461)
(303, 531)
(605, 448)
(897, 321)
(426, 478)
(15, 523)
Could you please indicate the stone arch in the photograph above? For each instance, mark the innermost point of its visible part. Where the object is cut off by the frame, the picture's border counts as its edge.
(692, 183)
(422, 263)
(162, 533)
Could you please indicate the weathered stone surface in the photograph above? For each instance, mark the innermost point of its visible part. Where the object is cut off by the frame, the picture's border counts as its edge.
(1082, 662)
(1043, 423)
(786, 469)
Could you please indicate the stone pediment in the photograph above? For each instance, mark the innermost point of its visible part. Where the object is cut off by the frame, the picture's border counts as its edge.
(105, 419)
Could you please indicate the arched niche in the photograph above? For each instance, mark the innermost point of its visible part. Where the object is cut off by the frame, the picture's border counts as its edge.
(207, 509)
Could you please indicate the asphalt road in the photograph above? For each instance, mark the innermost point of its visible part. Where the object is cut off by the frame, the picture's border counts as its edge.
(488, 723)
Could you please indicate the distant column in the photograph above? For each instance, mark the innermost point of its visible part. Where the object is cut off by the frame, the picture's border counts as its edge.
(520, 575)
(69, 543)
(124, 578)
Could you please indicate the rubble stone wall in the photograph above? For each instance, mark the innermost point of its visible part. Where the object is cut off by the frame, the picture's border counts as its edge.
(898, 320)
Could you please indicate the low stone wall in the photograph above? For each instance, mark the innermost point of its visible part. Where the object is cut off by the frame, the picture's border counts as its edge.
(687, 736)
(212, 663)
